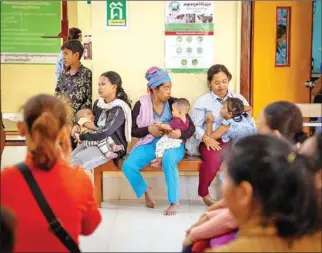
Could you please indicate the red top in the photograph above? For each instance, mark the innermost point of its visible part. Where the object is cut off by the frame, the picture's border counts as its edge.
(177, 123)
(69, 192)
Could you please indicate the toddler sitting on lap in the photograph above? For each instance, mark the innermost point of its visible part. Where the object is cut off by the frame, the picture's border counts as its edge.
(85, 119)
(180, 110)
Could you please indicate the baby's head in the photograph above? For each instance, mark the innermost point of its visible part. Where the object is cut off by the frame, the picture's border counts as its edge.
(85, 113)
(233, 107)
(180, 108)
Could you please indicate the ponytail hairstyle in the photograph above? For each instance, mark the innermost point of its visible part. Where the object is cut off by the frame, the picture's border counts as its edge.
(287, 118)
(45, 116)
(282, 184)
(116, 80)
(236, 107)
(74, 33)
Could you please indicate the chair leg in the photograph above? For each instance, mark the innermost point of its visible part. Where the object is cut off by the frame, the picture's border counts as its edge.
(98, 183)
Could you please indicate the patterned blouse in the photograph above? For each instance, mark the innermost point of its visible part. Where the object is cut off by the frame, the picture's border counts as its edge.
(76, 89)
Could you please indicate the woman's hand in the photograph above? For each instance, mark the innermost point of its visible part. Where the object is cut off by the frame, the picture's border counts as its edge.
(187, 241)
(203, 218)
(155, 130)
(211, 143)
(218, 205)
(174, 134)
(75, 129)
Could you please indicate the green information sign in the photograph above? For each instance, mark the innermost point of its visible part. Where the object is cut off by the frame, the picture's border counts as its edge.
(23, 23)
(116, 14)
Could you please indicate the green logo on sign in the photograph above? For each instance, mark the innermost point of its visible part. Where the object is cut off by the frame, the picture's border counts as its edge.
(116, 13)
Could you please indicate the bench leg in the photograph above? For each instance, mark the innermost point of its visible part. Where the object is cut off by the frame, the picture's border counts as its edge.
(98, 183)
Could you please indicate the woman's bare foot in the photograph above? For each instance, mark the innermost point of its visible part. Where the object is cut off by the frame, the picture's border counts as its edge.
(171, 210)
(208, 200)
(157, 162)
(149, 202)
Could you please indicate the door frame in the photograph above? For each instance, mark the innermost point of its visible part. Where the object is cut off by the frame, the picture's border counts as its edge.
(247, 50)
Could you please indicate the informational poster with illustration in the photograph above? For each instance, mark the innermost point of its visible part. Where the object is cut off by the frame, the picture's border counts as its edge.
(189, 36)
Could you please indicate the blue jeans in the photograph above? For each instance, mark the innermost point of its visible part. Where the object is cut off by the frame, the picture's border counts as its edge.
(141, 156)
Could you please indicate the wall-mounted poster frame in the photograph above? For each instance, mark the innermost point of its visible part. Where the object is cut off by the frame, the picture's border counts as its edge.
(283, 36)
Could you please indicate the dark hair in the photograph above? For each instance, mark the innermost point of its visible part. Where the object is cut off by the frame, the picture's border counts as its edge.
(8, 224)
(74, 33)
(281, 181)
(215, 69)
(281, 30)
(236, 108)
(116, 79)
(45, 116)
(184, 102)
(75, 46)
(287, 118)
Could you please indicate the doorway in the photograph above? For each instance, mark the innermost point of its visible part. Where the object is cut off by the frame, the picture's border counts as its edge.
(262, 80)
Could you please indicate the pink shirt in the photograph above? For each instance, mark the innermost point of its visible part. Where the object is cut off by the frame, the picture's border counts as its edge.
(219, 222)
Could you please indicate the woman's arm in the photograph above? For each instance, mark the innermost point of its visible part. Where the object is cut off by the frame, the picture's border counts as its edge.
(218, 205)
(138, 132)
(198, 117)
(209, 128)
(209, 122)
(114, 121)
(219, 132)
(90, 126)
(185, 135)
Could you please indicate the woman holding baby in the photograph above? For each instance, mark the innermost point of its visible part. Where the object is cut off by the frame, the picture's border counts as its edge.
(218, 78)
(162, 125)
(110, 126)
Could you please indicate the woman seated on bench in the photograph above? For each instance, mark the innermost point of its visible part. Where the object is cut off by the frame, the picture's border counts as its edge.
(155, 106)
(112, 113)
(210, 149)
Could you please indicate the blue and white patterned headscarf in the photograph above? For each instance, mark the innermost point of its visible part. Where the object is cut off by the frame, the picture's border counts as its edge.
(156, 77)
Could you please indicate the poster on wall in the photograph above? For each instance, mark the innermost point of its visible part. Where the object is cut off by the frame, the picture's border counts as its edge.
(189, 36)
(116, 15)
(23, 24)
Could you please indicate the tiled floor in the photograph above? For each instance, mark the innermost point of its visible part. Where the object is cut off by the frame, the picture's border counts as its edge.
(130, 227)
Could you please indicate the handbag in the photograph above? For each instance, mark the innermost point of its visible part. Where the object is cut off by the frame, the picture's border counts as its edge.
(55, 225)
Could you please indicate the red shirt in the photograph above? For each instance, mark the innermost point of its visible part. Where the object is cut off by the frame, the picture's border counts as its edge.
(69, 192)
(177, 123)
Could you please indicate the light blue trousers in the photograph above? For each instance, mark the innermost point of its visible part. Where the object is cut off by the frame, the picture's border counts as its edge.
(141, 156)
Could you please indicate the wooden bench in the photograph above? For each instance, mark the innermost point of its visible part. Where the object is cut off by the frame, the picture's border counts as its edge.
(12, 138)
(311, 111)
(188, 164)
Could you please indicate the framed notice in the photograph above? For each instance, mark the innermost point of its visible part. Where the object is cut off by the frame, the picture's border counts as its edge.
(116, 15)
(23, 23)
(283, 34)
(189, 36)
